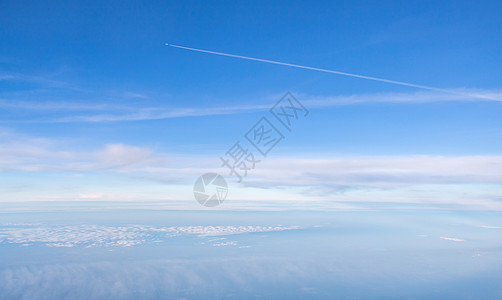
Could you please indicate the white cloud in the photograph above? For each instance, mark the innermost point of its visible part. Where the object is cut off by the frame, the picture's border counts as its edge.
(89, 235)
(452, 239)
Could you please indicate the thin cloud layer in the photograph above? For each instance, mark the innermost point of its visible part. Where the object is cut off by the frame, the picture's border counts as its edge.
(474, 181)
(98, 111)
(452, 239)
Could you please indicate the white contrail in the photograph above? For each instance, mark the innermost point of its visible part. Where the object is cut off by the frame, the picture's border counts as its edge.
(336, 72)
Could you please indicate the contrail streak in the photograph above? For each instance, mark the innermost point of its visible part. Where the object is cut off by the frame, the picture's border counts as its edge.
(424, 87)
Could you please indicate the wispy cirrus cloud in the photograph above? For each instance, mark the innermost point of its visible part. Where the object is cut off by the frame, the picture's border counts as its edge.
(48, 80)
(116, 111)
(416, 97)
(162, 113)
(63, 106)
(155, 113)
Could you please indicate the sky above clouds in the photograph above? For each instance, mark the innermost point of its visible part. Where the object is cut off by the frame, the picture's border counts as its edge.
(382, 190)
(94, 106)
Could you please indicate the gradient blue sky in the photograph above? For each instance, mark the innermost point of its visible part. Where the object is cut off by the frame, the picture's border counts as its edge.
(94, 106)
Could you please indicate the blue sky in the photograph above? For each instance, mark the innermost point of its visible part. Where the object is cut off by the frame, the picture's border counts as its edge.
(94, 106)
